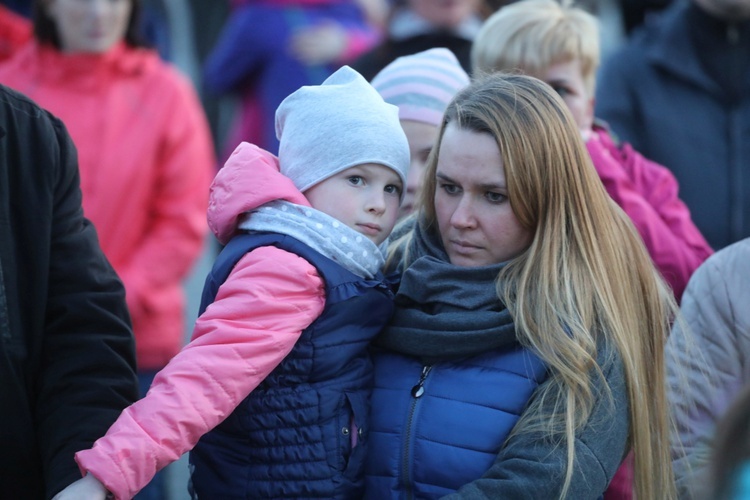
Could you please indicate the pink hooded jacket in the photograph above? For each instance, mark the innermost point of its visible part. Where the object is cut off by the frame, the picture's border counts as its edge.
(146, 161)
(231, 352)
(647, 192)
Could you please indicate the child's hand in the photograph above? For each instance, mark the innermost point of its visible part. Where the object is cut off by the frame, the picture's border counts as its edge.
(321, 44)
(86, 488)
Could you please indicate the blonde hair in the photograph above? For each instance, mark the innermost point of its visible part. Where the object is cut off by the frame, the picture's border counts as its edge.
(531, 35)
(585, 279)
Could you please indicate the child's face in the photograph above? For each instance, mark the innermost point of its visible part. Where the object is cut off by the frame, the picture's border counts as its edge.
(567, 80)
(365, 197)
(421, 137)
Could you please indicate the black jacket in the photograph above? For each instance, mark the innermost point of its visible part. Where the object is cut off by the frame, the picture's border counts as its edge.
(67, 354)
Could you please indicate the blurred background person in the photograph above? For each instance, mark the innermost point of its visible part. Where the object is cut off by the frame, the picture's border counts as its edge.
(267, 49)
(708, 363)
(560, 45)
(679, 91)
(146, 156)
(421, 86)
(730, 458)
(417, 25)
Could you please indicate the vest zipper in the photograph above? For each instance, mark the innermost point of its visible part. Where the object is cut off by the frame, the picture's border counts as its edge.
(416, 392)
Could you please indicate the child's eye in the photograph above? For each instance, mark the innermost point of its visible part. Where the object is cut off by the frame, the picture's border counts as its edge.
(495, 197)
(355, 180)
(449, 188)
(393, 189)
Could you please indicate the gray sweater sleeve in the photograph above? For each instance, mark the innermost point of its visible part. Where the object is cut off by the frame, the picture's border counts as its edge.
(530, 466)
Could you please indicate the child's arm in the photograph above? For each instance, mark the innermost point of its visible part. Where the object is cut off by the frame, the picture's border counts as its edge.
(259, 313)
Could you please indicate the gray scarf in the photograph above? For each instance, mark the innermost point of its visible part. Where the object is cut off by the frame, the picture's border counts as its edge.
(321, 232)
(445, 311)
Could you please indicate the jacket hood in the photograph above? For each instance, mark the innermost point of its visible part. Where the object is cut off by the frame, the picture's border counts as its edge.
(249, 179)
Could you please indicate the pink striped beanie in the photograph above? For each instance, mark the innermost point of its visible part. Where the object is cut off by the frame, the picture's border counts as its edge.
(421, 84)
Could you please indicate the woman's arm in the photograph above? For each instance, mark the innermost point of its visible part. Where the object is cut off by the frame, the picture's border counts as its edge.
(531, 467)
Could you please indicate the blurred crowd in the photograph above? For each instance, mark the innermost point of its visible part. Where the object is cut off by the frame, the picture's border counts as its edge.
(157, 94)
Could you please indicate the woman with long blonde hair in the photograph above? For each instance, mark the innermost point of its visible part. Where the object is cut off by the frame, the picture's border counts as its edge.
(525, 355)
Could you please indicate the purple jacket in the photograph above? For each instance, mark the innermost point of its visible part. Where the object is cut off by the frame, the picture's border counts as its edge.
(252, 59)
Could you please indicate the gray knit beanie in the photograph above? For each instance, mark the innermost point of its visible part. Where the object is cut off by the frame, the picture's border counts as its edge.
(343, 122)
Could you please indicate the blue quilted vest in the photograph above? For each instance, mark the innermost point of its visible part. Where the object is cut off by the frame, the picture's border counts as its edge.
(437, 427)
(291, 437)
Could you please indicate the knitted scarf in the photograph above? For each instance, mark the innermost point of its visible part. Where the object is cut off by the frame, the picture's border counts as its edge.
(445, 311)
(321, 232)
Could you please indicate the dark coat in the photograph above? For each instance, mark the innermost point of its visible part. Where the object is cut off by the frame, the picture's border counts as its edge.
(656, 94)
(67, 354)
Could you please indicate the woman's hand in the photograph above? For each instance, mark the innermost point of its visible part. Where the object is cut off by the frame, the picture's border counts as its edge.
(86, 488)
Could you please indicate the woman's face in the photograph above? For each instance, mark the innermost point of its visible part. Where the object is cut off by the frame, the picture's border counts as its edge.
(445, 13)
(476, 223)
(92, 26)
(567, 80)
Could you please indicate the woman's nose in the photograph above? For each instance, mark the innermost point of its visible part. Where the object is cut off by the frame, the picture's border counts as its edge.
(463, 215)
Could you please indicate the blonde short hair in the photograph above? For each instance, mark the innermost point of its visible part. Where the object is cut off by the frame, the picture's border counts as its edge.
(531, 35)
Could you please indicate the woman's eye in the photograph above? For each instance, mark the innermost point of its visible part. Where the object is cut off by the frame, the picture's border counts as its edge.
(495, 197)
(449, 188)
(355, 180)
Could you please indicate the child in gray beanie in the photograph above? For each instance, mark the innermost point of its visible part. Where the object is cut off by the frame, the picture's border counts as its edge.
(272, 393)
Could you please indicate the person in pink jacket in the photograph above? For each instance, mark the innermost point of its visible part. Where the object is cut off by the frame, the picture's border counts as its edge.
(145, 150)
(560, 45)
(272, 393)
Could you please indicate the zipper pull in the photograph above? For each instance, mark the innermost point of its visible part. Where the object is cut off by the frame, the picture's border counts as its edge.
(418, 389)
